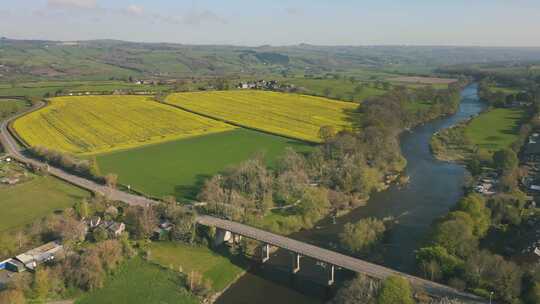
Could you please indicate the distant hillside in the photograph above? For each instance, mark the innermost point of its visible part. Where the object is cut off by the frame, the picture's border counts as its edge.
(103, 59)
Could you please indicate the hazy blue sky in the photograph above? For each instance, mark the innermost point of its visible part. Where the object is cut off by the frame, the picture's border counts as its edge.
(278, 22)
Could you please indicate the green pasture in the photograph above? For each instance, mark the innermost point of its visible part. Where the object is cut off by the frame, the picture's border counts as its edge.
(24, 203)
(496, 129)
(139, 282)
(219, 269)
(180, 167)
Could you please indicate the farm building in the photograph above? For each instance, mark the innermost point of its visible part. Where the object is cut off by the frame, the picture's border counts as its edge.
(14, 266)
(44, 253)
(114, 229)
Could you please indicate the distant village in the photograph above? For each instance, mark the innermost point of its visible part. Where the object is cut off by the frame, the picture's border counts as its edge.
(271, 85)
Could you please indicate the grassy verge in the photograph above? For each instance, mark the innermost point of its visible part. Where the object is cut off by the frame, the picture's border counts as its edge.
(178, 168)
(219, 269)
(137, 282)
(22, 204)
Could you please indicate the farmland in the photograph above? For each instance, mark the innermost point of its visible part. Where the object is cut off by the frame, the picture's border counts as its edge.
(9, 107)
(24, 203)
(295, 116)
(137, 282)
(491, 131)
(178, 167)
(41, 88)
(97, 124)
(214, 267)
(422, 80)
(342, 89)
(495, 130)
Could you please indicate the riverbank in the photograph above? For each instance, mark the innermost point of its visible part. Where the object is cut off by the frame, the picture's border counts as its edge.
(481, 136)
(493, 226)
(433, 188)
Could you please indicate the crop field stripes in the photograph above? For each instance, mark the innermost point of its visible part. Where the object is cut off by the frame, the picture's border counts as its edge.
(289, 115)
(100, 124)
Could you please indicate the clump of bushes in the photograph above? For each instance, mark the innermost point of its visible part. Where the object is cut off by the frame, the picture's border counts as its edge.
(68, 162)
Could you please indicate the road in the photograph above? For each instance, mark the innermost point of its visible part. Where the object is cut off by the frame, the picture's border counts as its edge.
(376, 271)
(12, 148)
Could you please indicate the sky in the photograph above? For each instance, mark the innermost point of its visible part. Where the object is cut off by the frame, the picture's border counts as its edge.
(278, 22)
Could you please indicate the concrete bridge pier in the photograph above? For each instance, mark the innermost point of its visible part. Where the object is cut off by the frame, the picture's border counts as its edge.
(221, 236)
(295, 262)
(265, 252)
(331, 274)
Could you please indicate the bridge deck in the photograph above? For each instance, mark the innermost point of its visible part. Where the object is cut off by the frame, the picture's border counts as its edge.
(331, 257)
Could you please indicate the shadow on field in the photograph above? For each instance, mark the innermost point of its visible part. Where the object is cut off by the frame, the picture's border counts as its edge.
(354, 117)
(190, 191)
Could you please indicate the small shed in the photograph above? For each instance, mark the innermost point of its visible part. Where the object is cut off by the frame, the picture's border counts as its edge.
(15, 266)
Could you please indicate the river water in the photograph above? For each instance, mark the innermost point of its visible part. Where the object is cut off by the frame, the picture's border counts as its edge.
(433, 189)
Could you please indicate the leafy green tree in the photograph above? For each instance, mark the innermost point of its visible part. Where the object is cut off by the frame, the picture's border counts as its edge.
(82, 209)
(504, 278)
(505, 160)
(362, 236)
(456, 234)
(395, 290)
(475, 206)
(313, 205)
(474, 166)
(504, 210)
(449, 265)
(99, 234)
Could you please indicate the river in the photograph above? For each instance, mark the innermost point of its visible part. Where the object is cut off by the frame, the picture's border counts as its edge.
(433, 189)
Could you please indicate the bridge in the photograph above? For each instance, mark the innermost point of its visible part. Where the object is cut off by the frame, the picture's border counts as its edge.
(299, 249)
(331, 258)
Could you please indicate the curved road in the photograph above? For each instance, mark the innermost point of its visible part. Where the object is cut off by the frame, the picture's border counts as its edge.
(12, 148)
(376, 271)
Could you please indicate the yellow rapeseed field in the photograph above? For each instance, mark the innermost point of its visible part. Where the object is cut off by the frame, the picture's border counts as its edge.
(98, 124)
(292, 115)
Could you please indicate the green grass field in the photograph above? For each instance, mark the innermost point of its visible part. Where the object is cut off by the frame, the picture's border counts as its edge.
(139, 282)
(495, 129)
(9, 107)
(40, 88)
(179, 167)
(338, 88)
(37, 198)
(214, 267)
(504, 90)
